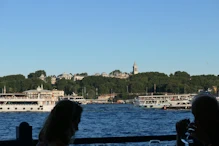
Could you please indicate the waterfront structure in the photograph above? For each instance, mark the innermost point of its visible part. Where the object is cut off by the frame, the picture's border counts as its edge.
(35, 93)
(57, 93)
(45, 93)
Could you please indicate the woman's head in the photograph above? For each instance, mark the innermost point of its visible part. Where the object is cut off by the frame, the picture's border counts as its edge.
(62, 122)
(205, 108)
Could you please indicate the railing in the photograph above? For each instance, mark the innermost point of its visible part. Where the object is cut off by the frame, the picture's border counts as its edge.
(24, 138)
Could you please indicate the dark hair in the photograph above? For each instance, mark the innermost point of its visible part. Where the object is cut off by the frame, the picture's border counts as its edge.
(58, 125)
(205, 107)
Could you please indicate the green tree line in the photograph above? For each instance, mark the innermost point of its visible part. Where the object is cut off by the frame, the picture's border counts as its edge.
(91, 86)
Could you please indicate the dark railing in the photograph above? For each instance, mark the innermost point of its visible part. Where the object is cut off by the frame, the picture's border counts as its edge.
(24, 138)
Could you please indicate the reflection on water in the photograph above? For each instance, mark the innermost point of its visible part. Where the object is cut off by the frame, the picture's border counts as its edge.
(104, 121)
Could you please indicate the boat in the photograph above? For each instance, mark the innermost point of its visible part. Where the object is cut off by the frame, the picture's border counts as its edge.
(18, 102)
(75, 98)
(164, 101)
(150, 102)
(179, 104)
(38, 100)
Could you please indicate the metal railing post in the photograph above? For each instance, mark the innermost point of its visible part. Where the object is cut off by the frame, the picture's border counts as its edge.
(24, 134)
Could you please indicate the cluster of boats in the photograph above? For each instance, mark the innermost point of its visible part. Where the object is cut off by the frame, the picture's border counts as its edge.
(44, 100)
(179, 101)
(20, 102)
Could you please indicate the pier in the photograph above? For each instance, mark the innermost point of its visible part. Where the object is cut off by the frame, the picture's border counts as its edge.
(24, 138)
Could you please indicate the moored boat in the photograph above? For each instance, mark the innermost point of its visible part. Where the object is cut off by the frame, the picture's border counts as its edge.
(75, 98)
(38, 100)
(164, 101)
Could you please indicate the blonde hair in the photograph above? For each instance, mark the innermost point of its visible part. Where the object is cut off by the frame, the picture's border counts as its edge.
(58, 125)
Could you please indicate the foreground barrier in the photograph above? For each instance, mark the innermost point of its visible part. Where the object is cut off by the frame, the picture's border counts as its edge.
(24, 138)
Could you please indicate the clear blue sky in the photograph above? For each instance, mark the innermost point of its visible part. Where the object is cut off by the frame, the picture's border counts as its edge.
(102, 35)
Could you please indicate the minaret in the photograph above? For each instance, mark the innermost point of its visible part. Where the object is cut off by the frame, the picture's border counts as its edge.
(135, 69)
(4, 90)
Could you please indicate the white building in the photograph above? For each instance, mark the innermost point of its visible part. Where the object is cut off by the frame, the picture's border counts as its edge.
(104, 74)
(58, 93)
(65, 76)
(135, 69)
(44, 93)
(78, 77)
(53, 79)
(39, 91)
(42, 77)
(96, 74)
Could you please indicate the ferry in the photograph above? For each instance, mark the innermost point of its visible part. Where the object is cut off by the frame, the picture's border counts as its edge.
(18, 102)
(75, 98)
(180, 102)
(150, 102)
(164, 101)
(38, 100)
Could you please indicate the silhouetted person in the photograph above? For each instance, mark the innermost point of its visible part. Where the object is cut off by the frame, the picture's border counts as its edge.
(205, 109)
(61, 124)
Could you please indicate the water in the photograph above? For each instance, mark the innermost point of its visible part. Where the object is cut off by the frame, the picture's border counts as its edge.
(106, 120)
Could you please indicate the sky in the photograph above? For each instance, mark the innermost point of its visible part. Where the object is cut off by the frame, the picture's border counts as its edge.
(96, 36)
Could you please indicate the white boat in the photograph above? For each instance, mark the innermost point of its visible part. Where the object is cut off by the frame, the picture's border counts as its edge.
(179, 104)
(150, 102)
(78, 99)
(164, 101)
(12, 102)
(38, 100)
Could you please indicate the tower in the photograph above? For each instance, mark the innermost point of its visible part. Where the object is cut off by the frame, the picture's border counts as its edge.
(135, 69)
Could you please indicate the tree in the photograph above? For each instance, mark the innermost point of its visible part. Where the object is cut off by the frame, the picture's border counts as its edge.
(82, 74)
(31, 75)
(60, 84)
(37, 74)
(91, 94)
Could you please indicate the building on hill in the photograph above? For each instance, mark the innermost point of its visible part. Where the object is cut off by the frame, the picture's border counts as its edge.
(122, 75)
(135, 69)
(96, 74)
(104, 74)
(78, 77)
(65, 76)
(42, 77)
(53, 79)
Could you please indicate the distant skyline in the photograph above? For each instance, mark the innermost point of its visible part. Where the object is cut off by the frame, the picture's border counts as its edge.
(96, 36)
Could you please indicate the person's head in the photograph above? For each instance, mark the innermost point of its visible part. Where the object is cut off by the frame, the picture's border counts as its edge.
(205, 109)
(62, 122)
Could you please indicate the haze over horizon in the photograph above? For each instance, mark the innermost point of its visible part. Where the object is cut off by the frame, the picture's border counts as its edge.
(101, 36)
